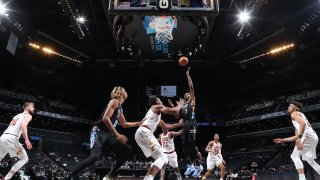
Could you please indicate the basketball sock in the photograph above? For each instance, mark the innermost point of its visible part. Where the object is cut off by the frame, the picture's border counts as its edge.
(148, 177)
(178, 176)
(302, 177)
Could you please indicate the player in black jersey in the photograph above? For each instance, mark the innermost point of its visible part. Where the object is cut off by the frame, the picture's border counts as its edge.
(105, 136)
(190, 126)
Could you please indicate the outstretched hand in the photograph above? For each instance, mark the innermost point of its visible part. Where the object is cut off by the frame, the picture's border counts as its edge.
(278, 140)
(170, 103)
(180, 102)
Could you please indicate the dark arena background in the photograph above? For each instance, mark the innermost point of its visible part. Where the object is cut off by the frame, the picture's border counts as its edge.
(249, 59)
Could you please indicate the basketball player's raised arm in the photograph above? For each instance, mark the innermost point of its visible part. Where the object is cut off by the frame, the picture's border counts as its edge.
(165, 126)
(299, 120)
(125, 124)
(24, 128)
(192, 94)
(209, 146)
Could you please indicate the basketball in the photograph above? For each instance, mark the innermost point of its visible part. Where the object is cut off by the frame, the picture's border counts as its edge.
(183, 61)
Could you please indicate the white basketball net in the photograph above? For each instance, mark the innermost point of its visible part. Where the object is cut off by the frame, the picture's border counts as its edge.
(163, 26)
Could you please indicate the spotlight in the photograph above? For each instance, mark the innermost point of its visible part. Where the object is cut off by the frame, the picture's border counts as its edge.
(244, 16)
(3, 9)
(280, 49)
(81, 19)
(271, 52)
(47, 50)
(50, 51)
(36, 46)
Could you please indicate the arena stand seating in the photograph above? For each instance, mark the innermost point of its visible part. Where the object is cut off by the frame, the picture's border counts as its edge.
(259, 127)
(249, 141)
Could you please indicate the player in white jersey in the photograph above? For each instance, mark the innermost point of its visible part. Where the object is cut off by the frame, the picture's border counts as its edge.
(9, 141)
(167, 142)
(306, 140)
(146, 139)
(215, 157)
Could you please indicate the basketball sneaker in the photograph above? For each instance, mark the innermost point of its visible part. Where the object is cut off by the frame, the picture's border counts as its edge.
(189, 170)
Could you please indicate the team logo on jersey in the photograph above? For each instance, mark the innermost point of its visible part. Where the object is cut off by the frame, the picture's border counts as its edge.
(153, 148)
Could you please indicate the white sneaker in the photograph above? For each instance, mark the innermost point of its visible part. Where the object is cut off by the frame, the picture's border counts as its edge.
(189, 170)
(107, 178)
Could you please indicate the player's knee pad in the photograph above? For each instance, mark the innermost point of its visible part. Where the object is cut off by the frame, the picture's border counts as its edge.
(22, 161)
(297, 161)
(161, 160)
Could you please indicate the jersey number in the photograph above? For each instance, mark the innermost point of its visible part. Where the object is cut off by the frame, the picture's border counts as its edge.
(164, 144)
(13, 121)
(308, 124)
(216, 150)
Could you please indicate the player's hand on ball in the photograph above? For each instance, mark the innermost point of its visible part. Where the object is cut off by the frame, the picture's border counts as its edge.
(28, 144)
(122, 138)
(278, 140)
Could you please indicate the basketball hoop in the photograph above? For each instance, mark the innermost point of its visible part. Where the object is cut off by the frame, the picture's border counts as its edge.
(163, 26)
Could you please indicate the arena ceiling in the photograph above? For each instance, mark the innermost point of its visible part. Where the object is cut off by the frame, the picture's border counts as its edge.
(217, 71)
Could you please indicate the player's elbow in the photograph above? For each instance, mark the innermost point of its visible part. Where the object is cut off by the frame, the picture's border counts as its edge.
(124, 125)
(165, 127)
(24, 129)
(106, 119)
(164, 110)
